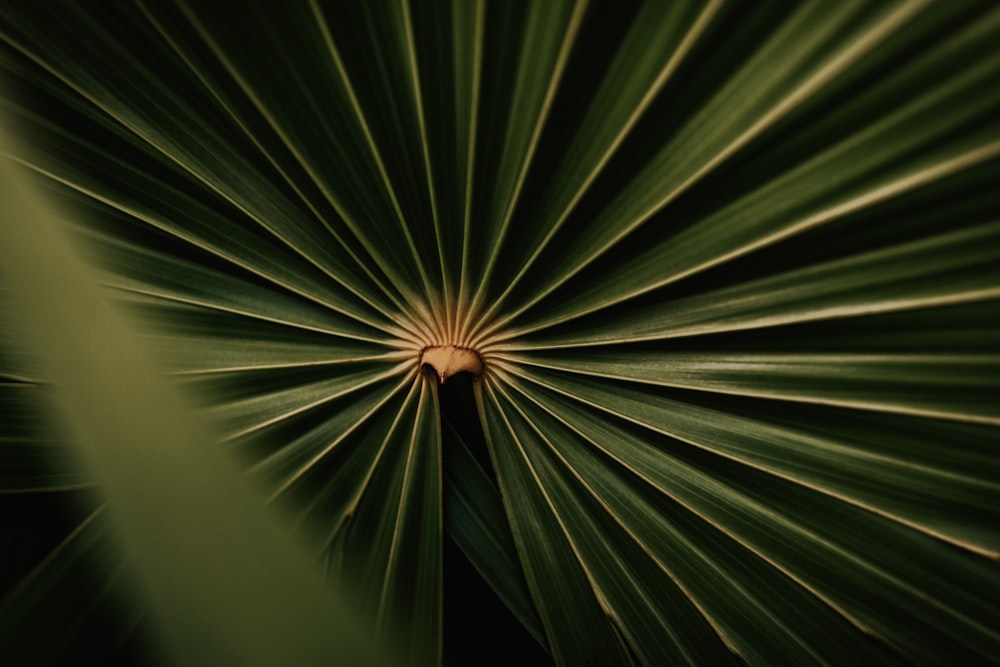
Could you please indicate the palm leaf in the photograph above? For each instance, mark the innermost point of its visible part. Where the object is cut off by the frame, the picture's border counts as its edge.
(731, 271)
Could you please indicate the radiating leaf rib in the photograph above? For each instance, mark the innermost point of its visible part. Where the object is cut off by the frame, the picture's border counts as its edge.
(911, 587)
(577, 626)
(181, 285)
(167, 306)
(196, 341)
(901, 476)
(634, 79)
(885, 586)
(717, 133)
(549, 34)
(230, 242)
(468, 63)
(376, 444)
(351, 444)
(93, 171)
(946, 386)
(474, 518)
(139, 265)
(160, 127)
(194, 355)
(412, 589)
(391, 44)
(391, 263)
(754, 607)
(440, 233)
(446, 51)
(678, 253)
(659, 621)
(399, 500)
(183, 48)
(950, 268)
(241, 414)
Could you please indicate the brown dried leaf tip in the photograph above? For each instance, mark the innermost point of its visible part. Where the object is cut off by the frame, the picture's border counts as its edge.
(447, 360)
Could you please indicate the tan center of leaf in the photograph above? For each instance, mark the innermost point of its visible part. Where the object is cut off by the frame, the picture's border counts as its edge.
(447, 360)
